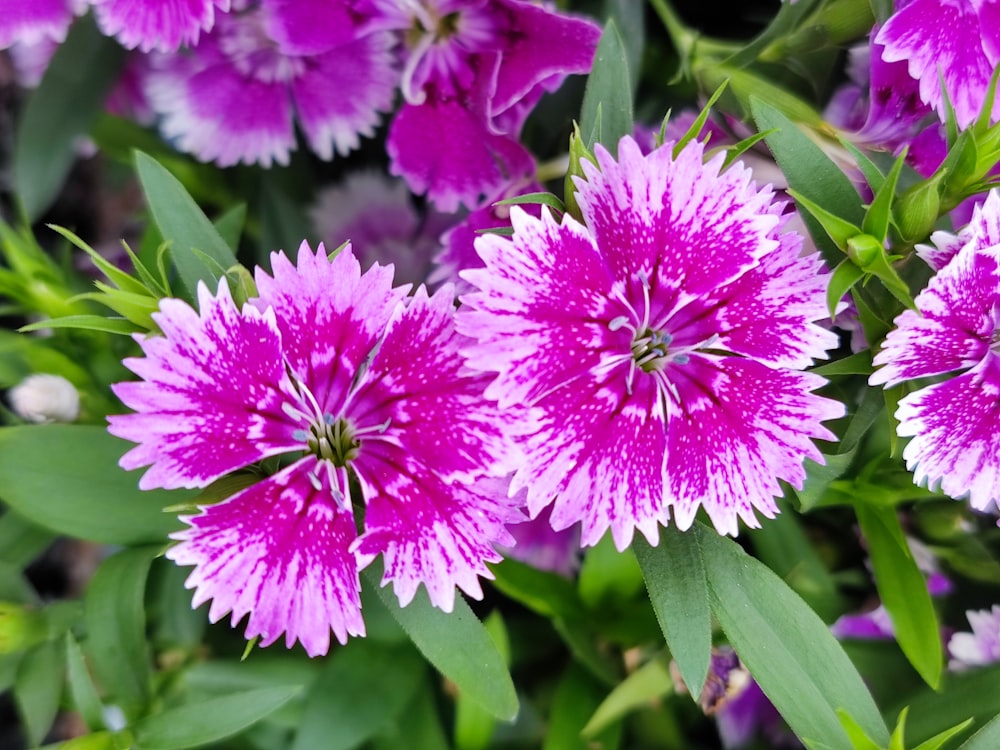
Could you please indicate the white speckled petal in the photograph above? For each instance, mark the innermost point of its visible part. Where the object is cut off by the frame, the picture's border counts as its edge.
(953, 324)
(739, 427)
(163, 25)
(278, 550)
(211, 396)
(956, 434)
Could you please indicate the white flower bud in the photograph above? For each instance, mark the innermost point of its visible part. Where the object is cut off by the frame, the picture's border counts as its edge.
(45, 398)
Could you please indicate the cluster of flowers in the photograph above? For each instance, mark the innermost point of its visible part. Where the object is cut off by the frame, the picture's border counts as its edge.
(620, 369)
(252, 69)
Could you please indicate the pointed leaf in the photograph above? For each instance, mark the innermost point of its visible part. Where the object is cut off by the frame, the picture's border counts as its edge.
(859, 740)
(986, 738)
(647, 683)
(210, 720)
(116, 627)
(456, 644)
(85, 698)
(606, 113)
(940, 739)
(843, 278)
(37, 689)
(119, 326)
(66, 479)
(678, 589)
(903, 590)
(879, 213)
(785, 646)
(183, 224)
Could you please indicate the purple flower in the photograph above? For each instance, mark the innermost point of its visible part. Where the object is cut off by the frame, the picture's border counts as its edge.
(542, 547)
(232, 99)
(954, 41)
(982, 645)
(983, 231)
(376, 213)
(36, 21)
(365, 389)
(474, 70)
(650, 354)
(163, 25)
(955, 423)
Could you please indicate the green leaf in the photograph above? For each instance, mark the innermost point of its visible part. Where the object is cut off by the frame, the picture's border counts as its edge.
(819, 477)
(695, 128)
(116, 627)
(879, 213)
(789, 18)
(811, 173)
(65, 105)
(230, 225)
(903, 590)
(785, 645)
(606, 113)
(941, 738)
(859, 740)
(184, 225)
(81, 686)
(859, 363)
(986, 738)
(474, 726)
(629, 17)
(37, 690)
(843, 278)
(364, 687)
(457, 645)
(20, 540)
(678, 589)
(120, 326)
(608, 576)
(210, 720)
(544, 199)
(66, 479)
(419, 726)
(577, 697)
(962, 695)
(647, 683)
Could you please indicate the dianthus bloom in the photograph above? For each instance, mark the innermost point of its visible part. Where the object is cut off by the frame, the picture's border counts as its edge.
(358, 384)
(163, 25)
(982, 645)
(955, 423)
(651, 353)
(954, 41)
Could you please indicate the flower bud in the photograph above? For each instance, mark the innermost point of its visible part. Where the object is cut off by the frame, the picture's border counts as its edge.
(864, 250)
(918, 209)
(20, 628)
(45, 398)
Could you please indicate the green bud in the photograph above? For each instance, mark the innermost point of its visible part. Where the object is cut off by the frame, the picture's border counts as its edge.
(577, 151)
(918, 209)
(20, 628)
(241, 284)
(864, 250)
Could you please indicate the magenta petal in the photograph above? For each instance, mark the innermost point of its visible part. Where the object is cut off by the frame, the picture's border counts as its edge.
(738, 427)
(956, 429)
(213, 111)
(35, 21)
(597, 452)
(543, 48)
(699, 227)
(433, 406)
(954, 323)
(278, 550)
(211, 397)
(331, 316)
(311, 27)
(341, 93)
(162, 25)
(541, 317)
(433, 533)
(457, 170)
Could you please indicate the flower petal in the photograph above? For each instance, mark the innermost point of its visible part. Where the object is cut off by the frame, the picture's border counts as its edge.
(163, 25)
(331, 316)
(739, 427)
(953, 324)
(211, 397)
(278, 550)
(32, 22)
(311, 27)
(956, 434)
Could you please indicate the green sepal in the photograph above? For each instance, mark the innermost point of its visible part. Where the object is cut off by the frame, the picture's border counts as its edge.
(837, 229)
(843, 278)
(879, 213)
(696, 127)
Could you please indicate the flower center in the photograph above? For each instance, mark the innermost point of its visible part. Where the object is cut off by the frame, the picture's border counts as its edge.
(333, 440)
(649, 350)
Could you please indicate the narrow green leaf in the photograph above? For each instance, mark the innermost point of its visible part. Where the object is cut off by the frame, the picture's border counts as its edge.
(119, 326)
(66, 479)
(678, 589)
(606, 113)
(230, 225)
(879, 213)
(81, 686)
(545, 199)
(962, 695)
(64, 106)
(457, 645)
(364, 687)
(210, 720)
(116, 627)
(986, 738)
(474, 726)
(629, 17)
(789, 18)
(873, 174)
(112, 272)
(648, 682)
(940, 739)
(183, 224)
(819, 477)
(859, 363)
(859, 740)
(37, 689)
(811, 173)
(903, 590)
(20, 540)
(608, 576)
(694, 130)
(843, 278)
(785, 645)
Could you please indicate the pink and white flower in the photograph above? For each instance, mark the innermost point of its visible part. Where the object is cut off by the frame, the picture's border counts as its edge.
(365, 393)
(982, 645)
(652, 353)
(956, 42)
(164, 25)
(30, 23)
(954, 423)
